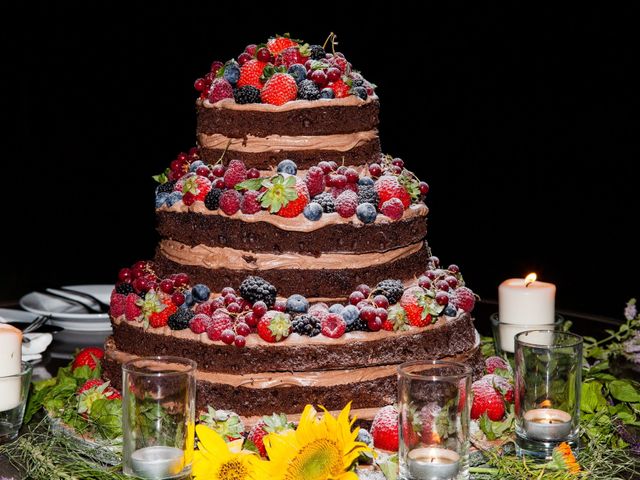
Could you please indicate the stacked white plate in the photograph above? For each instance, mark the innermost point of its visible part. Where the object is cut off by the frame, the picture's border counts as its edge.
(67, 315)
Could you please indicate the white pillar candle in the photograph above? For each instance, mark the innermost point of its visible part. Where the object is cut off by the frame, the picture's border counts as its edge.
(10, 364)
(527, 301)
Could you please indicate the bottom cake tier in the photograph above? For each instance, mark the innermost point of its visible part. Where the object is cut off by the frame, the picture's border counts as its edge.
(255, 394)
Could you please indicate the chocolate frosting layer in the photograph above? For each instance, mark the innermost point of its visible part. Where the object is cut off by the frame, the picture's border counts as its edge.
(445, 338)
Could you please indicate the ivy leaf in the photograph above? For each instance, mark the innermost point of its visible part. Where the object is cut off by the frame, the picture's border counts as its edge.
(623, 391)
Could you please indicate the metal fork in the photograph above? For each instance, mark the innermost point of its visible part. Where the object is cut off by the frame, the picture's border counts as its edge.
(102, 306)
(36, 324)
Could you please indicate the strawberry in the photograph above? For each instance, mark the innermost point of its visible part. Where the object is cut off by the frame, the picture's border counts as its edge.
(132, 310)
(160, 318)
(396, 319)
(268, 424)
(333, 325)
(384, 428)
(428, 420)
(388, 187)
(92, 390)
(486, 399)
(195, 186)
(220, 322)
(340, 89)
(226, 423)
(502, 386)
(90, 356)
(415, 303)
(464, 299)
(250, 74)
(274, 326)
(117, 304)
(492, 363)
(279, 89)
(278, 44)
(235, 173)
(92, 382)
(295, 207)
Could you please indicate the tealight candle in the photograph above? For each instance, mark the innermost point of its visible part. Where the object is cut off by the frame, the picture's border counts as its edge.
(157, 462)
(547, 424)
(10, 364)
(433, 463)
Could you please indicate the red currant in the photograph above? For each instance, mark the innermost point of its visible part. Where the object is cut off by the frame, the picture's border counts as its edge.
(253, 173)
(263, 55)
(319, 77)
(167, 286)
(227, 291)
(442, 285)
(333, 74)
(140, 284)
(280, 306)
(217, 303)
(334, 165)
(442, 298)
(181, 280)
(325, 166)
(364, 289)
(341, 169)
(218, 170)
(239, 341)
(124, 275)
(234, 307)
(398, 162)
(227, 336)
(375, 170)
(424, 188)
(218, 183)
(453, 268)
(182, 157)
(356, 297)
(431, 274)
(200, 84)
(452, 281)
(435, 261)
(140, 265)
(381, 313)
(352, 175)
(368, 313)
(243, 329)
(424, 282)
(338, 180)
(229, 298)
(251, 319)
(396, 170)
(259, 309)
(177, 298)
(244, 58)
(374, 324)
(250, 49)
(215, 66)
(363, 304)
(381, 301)
(203, 171)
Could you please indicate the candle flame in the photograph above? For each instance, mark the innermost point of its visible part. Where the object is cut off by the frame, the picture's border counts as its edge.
(545, 403)
(529, 279)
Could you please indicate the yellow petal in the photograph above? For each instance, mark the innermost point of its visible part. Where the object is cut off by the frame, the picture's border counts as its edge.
(212, 442)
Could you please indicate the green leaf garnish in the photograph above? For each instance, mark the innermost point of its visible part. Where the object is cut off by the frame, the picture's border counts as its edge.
(280, 191)
(254, 184)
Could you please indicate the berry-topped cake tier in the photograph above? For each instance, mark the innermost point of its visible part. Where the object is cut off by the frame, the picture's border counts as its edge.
(292, 264)
(286, 99)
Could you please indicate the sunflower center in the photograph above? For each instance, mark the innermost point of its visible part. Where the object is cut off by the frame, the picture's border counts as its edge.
(316, 461)
(232, 470)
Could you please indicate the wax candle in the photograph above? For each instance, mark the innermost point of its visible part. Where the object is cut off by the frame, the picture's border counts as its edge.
(547, 424)
(10, 364)
(527, 301)
(433, 463)
(157, 462)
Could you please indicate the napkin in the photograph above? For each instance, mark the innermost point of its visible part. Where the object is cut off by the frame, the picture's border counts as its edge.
(39, 342)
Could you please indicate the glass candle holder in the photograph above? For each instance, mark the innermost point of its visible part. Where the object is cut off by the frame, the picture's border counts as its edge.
(158, 417)
(14, 390)
(504, 333)
(434, 420)
(548, 378)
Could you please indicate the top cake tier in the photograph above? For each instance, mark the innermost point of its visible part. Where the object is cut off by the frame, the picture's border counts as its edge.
(287, 100)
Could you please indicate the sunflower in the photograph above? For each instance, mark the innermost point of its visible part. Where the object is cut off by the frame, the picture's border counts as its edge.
(216, 460)
(319, 449)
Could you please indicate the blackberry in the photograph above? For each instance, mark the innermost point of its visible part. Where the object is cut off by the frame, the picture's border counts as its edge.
(357, 325)
(212, 200)
(392, 289)
(367, 194)
(166, 187)
(317, 52)
(247, 94)
(326, 201)
(124, 288)
(306, 325)
(357, 82)
(254, 289)
(308, 90)
(180, 319)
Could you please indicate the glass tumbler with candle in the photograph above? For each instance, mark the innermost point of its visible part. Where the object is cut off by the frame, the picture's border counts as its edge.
(548, 378)
(434, 420)
(14, 390)
(158, 417)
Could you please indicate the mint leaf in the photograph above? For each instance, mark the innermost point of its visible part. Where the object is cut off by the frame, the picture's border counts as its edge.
(254, 184)
(592, 399)
(107, 416)
(250, 447)
(162, 177)
(623, 390)
(389, 467)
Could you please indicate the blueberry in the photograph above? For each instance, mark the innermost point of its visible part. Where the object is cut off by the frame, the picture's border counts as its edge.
(350, 313)
(287, 166)
(298, 72)
(357, 82)
(366, 213)
(327, 93)
(365, 181)
(173, 198)
(336, 308)
(365, 437)
(161, 199)
(188, 299)
(200, 293)
(313, 211)
(360, 92)
(231, 73)
(194, 166)
(450, 311)
(297, 304)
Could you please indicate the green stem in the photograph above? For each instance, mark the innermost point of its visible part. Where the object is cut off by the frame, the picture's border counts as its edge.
(490, 471)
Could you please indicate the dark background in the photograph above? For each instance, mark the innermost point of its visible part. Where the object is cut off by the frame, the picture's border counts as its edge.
(522, 120)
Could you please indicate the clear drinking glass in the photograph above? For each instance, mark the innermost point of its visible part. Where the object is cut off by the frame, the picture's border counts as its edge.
(434, 420)
(504, 333)
(14, 390)
(548, 371)
(158, 417)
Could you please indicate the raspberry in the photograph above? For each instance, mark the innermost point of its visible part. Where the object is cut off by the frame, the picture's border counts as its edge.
(200, 323)
(464, 299)
(131, 310)
(492, 363)
(394, 209)
(333, 325)
(250, 203)
(220, 322)
(230, 201)
(220, 89)
(117, 304)
(247, 94)
(388, 187)
(235, 173)
(315, 181)
(347, 203)
(290, 56)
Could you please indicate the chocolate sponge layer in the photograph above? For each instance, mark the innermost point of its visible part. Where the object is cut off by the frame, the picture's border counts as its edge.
(193, 229)
(301, 121)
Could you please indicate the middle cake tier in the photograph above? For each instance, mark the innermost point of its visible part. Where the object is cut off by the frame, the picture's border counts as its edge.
(323, 259)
